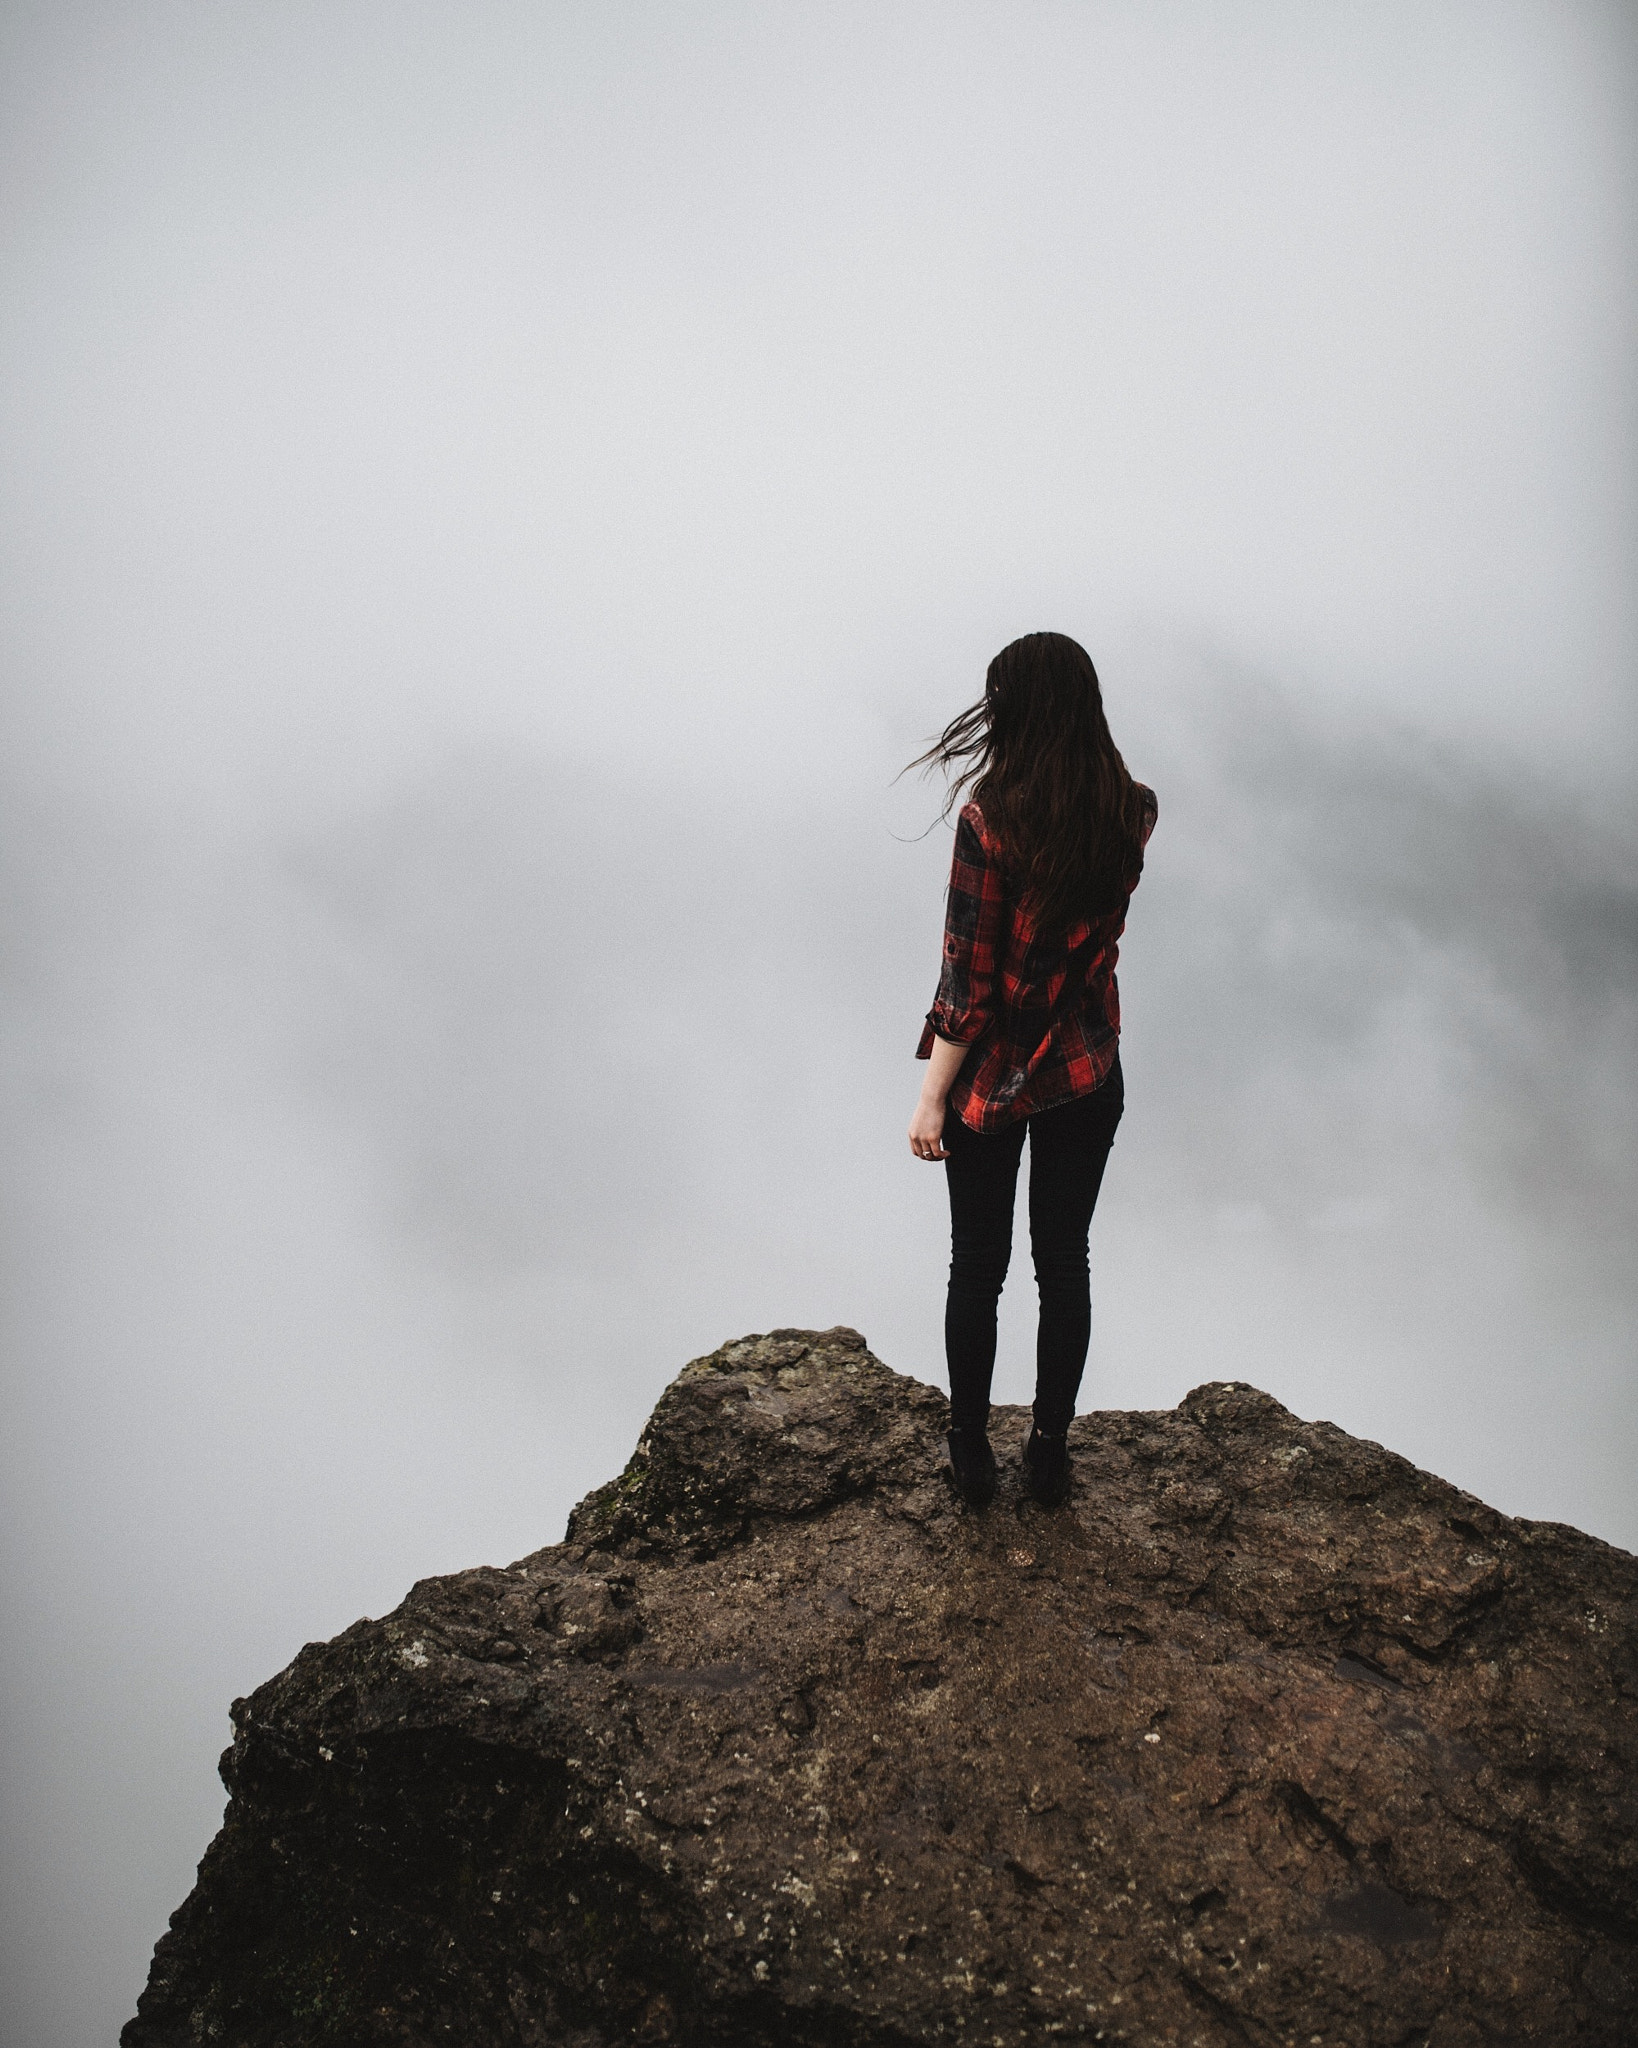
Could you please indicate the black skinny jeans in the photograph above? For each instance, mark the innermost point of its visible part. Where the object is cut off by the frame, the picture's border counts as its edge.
(1068, 1148)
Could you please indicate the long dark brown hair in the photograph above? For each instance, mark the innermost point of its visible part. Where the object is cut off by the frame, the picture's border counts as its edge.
(1041, 763)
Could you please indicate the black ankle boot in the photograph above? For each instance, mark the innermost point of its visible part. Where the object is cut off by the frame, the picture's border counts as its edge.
(1046, 1467)
(973, 1463)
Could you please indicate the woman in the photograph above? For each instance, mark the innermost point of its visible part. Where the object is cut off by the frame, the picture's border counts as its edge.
(1024, 1036)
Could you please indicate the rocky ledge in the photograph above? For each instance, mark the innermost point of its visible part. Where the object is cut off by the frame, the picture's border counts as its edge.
(1267, 1737)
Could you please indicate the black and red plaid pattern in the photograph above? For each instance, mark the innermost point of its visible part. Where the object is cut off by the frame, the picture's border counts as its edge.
(999, 984)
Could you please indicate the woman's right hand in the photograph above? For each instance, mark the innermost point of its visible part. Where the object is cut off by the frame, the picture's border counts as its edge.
(927, 1130)
(927, 1125)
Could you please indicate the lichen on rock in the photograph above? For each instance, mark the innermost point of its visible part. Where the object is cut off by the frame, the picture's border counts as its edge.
(1266, 1737)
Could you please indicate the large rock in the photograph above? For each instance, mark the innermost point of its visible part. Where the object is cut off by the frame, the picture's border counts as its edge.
(1266, 1738)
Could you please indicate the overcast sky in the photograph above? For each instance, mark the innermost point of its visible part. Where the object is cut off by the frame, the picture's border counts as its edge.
(494, 494)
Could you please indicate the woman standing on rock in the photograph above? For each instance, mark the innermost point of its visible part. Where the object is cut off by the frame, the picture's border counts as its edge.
(1024, 1035)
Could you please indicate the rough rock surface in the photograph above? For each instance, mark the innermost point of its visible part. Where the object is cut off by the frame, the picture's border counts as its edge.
(1267, 1737)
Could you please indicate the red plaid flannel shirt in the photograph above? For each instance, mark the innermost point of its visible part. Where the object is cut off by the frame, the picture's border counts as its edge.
(999, 983)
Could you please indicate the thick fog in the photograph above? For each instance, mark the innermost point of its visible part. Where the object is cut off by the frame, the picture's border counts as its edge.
(494, 495)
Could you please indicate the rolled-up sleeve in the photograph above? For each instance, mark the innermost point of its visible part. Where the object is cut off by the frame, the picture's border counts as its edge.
(974, 927)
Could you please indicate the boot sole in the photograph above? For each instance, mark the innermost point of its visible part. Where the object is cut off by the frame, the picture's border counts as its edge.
(975, 1497)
